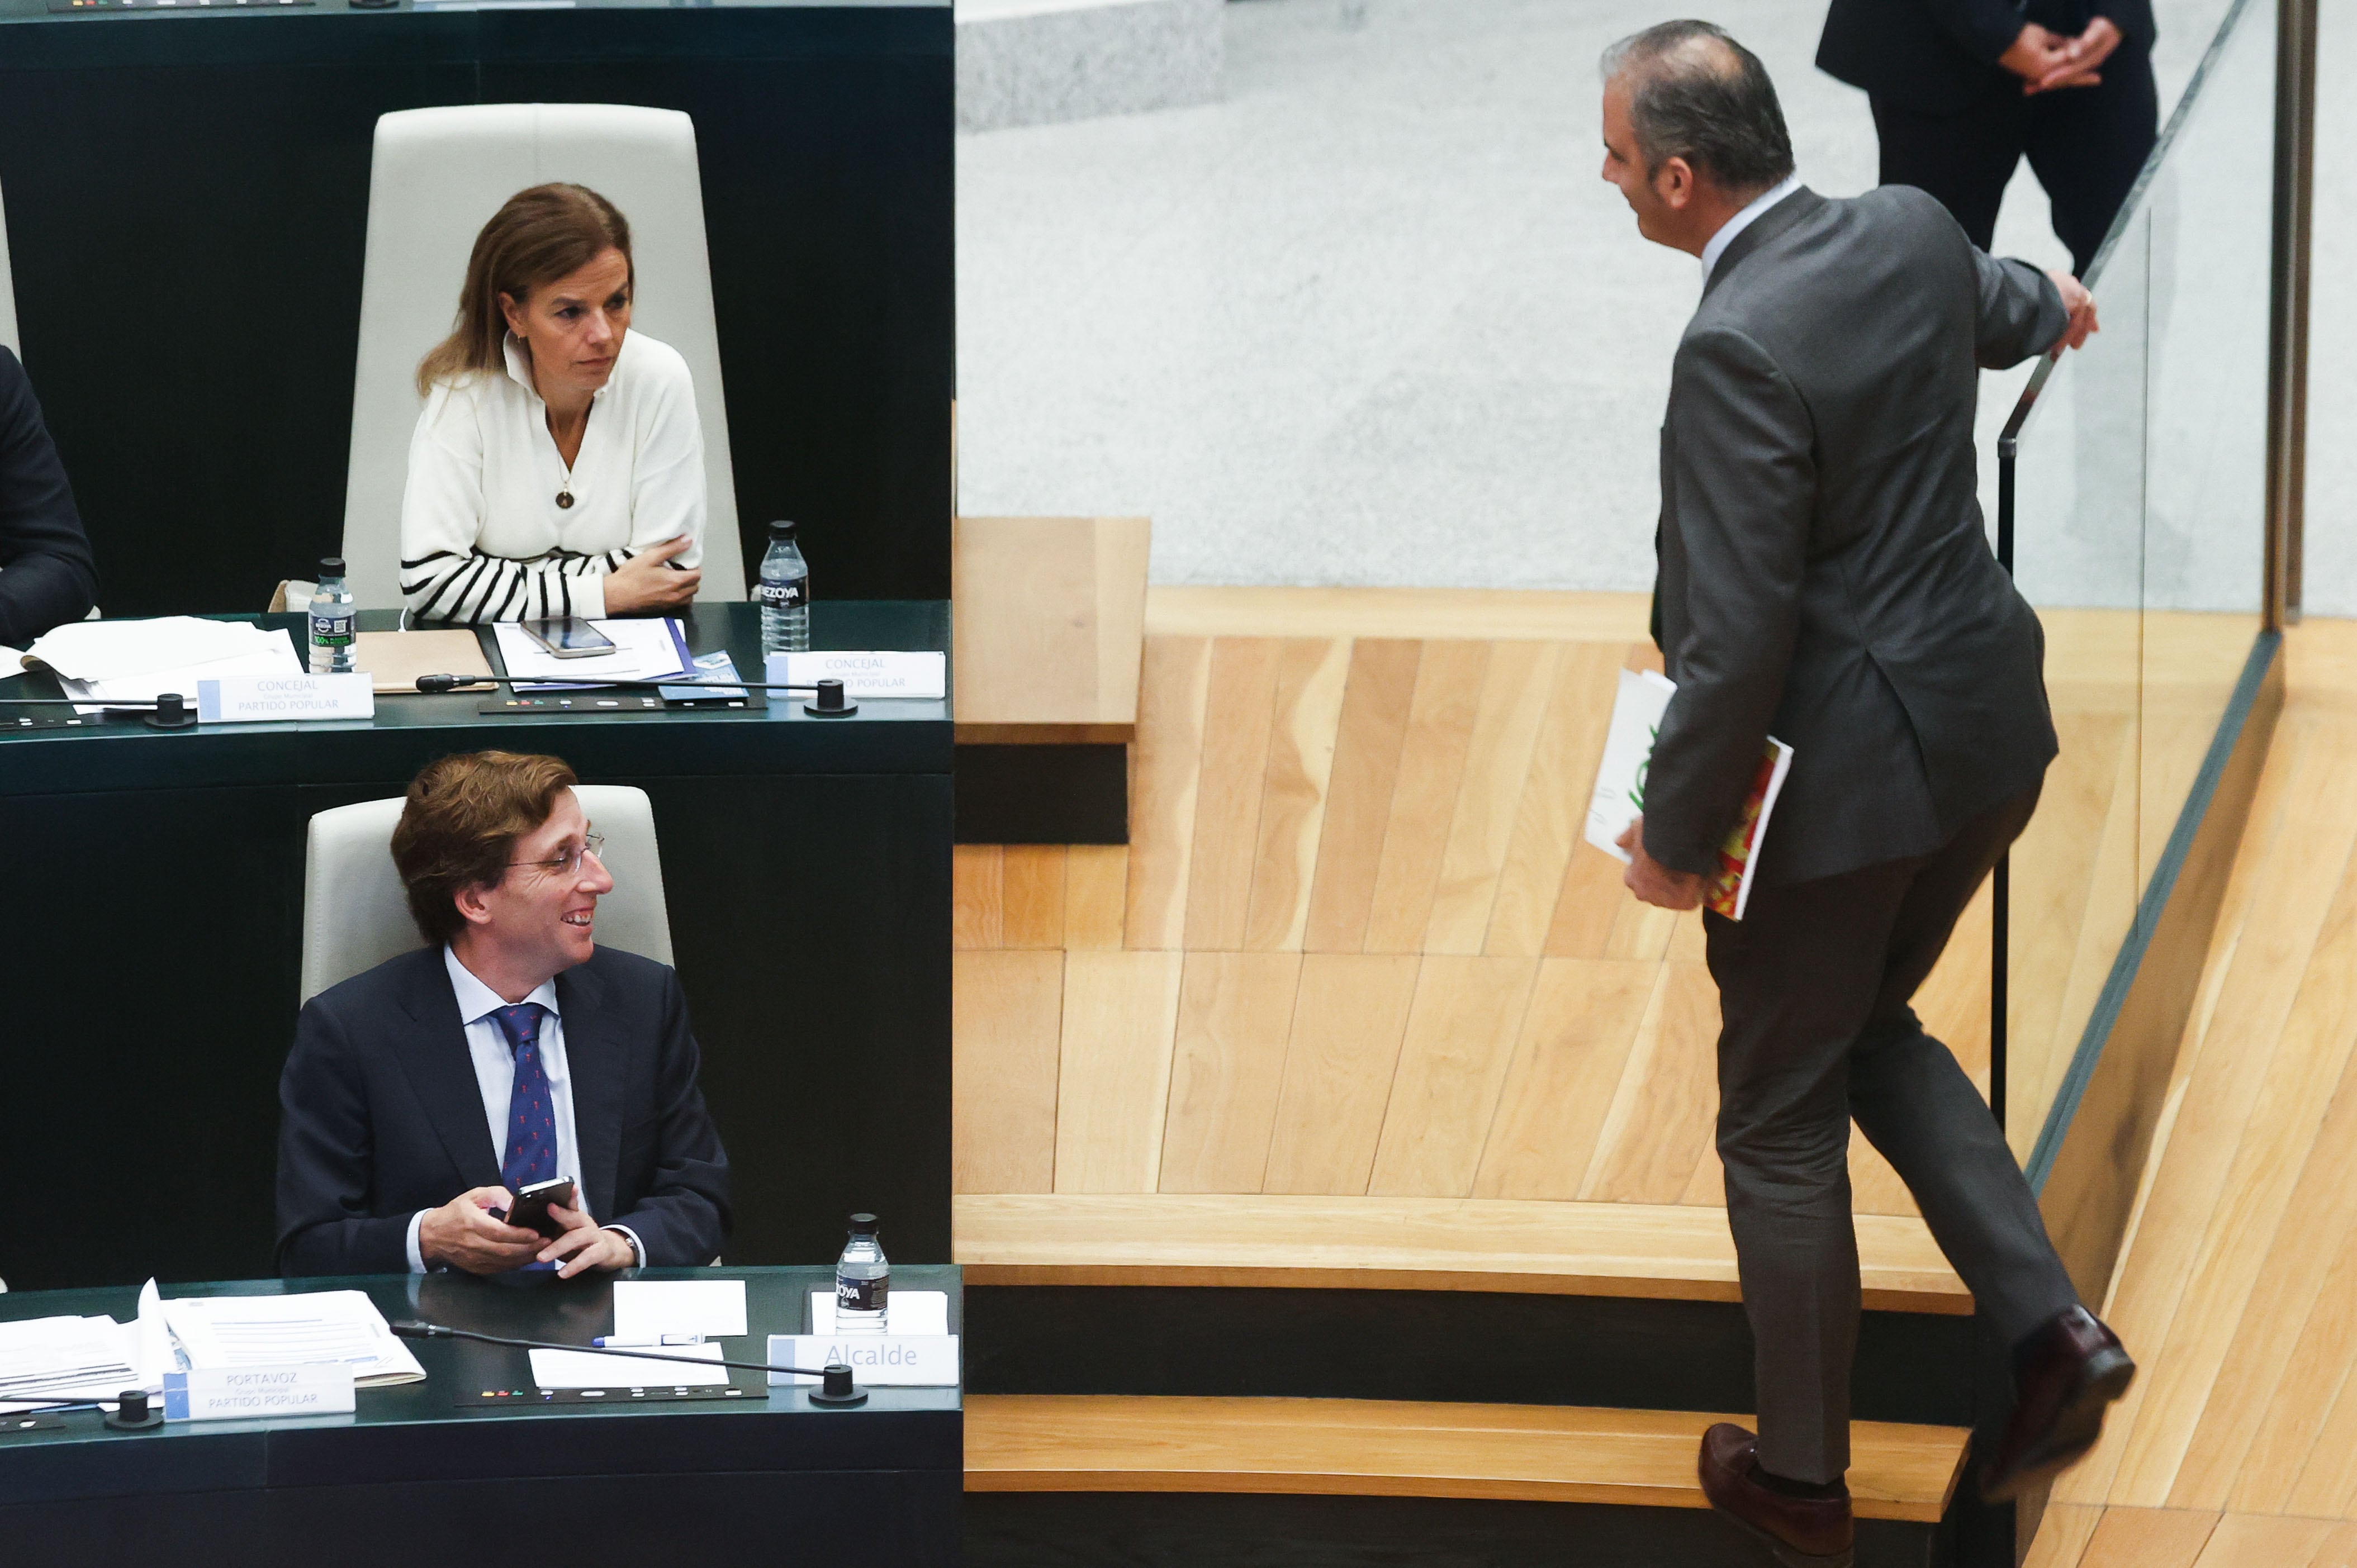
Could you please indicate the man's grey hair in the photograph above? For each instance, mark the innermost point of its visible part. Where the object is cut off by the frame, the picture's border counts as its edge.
(1696, 93)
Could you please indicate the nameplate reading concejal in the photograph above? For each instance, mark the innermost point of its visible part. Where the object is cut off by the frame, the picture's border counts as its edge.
(275, 699)
(921, 676)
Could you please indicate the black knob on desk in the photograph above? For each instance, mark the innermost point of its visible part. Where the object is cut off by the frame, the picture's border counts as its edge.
(132, 1413)
(172, 712)
(836, 1387)
(830, 702)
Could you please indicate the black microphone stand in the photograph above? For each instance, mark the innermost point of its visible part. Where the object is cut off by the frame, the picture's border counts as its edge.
(835, 1384)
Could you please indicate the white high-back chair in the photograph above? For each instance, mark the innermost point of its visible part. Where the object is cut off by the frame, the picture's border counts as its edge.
(437, 178)
(355, 917)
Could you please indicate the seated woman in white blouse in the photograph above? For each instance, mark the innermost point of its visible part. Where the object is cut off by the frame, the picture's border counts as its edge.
(558, 468)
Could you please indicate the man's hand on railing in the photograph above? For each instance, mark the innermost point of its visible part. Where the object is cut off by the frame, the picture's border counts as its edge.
(2080, 304)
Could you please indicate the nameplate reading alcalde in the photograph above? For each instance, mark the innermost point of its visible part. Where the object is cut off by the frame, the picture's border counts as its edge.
(881, 1360)
(270, 699)
(235, 1394)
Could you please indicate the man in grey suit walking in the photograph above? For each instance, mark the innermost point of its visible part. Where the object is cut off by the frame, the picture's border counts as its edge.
(1824, 576)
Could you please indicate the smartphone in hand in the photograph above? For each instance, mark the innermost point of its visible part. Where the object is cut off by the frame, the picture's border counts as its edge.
(530, 1211)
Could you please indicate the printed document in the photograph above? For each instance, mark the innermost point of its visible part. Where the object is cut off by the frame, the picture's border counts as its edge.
(1619, 795)
(338, 1325)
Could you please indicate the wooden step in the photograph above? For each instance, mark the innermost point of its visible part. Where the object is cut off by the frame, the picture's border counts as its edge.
(1659, 1251)
(1049, 627)
(1038, 1443)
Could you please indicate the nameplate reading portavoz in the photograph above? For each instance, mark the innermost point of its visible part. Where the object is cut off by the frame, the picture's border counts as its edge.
(276, 699)
(879, 1361)
(245, 1393)
(921, 676)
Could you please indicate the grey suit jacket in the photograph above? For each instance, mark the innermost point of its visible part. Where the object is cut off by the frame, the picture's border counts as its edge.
(1825, 576)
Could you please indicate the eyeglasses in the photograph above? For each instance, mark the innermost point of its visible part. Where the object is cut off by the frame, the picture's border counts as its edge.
(566, 864)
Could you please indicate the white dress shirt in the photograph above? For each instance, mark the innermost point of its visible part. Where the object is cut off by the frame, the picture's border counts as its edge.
(1744, 219)
(495, 1077)
(481, 535)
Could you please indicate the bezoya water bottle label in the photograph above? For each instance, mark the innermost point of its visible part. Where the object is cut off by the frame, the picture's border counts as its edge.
(787, 596)
(331, 630)
(863, 1296)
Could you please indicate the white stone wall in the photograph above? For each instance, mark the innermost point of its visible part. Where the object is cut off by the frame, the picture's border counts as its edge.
(1031, 62)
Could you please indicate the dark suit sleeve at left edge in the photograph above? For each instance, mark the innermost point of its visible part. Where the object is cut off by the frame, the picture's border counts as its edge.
(683, 1220)
(327, 1163)
(2018, 312)
(1745, 477)
(48, 575)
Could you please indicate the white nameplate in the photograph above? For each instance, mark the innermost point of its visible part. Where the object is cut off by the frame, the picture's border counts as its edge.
(231, 1393)
(880, 1360)
(265, 699)
(864, 675)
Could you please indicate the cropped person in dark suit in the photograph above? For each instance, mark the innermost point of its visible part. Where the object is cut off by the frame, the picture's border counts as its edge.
(46, 576)
(1963, 90)
(1824, 577)
(420, 1096)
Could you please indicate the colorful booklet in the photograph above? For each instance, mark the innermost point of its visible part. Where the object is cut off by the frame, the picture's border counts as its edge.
(1619, 796)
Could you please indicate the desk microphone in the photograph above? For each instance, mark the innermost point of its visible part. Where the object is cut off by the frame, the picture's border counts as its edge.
(835, 1384)
(830, 702)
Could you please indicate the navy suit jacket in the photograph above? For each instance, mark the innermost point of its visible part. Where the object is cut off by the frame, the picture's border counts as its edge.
(381, 1115)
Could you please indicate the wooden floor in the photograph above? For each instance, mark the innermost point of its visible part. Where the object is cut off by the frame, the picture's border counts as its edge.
(2238, 1290)
(1356, 947)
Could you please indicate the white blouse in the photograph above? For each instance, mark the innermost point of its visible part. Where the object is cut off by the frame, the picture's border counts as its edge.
(482, 538)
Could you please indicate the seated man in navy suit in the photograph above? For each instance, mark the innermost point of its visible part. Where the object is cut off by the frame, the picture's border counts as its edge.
(512, 1049)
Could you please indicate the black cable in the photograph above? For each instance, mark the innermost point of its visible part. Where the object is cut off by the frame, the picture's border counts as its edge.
(411, 1328)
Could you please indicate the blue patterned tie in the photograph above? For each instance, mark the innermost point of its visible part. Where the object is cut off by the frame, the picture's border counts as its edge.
(532, 1110)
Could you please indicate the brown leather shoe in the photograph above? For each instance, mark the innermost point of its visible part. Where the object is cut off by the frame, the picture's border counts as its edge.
(2064, 1377)
(1802, 1532)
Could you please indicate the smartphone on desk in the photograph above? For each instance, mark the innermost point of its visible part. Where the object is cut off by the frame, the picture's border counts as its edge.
(530, 1210)
(568, 637)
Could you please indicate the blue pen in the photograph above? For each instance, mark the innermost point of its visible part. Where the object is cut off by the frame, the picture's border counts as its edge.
(614, 1342)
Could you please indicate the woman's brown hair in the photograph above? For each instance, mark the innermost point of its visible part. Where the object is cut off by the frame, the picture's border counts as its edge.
(536, 237)
(460, 823)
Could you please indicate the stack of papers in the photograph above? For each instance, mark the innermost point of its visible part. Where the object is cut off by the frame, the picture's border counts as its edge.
(54, 1359)
(644, 650)
(342, 1326)
(101, 661)
(64, 1357)
(588, 1370)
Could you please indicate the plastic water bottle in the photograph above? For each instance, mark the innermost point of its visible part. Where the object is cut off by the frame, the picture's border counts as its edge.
(863, 1280)
(333, 612)
(784, 593)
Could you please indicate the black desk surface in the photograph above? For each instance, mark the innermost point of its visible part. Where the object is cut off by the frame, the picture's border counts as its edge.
(883, 737)
(414, 1432)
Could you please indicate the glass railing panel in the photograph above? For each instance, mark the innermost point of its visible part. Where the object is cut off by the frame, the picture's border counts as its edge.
(2205, 490)
(2138, 503)
(2079, 559)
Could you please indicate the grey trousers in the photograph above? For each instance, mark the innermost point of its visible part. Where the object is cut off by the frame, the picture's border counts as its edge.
(1816, 1030)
